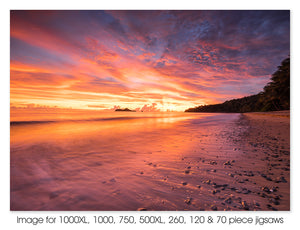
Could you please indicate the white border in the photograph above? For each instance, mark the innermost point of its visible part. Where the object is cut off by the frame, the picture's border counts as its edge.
(8, 219)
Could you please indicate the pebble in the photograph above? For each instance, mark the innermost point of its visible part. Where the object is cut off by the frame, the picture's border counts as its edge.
(227, 163)
(187, 171)
(265, 189)
(274, 201)
(142, 209)
(228, 200)
(274, 189)
(184, 183)
(206, 182)
(215, 191)
(271, 207)
(250, 173)
(280, 179)
(214, 207)
(188, 201)
(245, 205)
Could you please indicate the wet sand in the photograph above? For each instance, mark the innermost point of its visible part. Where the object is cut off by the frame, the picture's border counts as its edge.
(268, 140)
(187, 162)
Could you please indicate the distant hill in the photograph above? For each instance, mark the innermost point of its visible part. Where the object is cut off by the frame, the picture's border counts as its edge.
(124, 110)
(275, 96)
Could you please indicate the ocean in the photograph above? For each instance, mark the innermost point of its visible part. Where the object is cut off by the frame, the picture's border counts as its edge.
(115, 160)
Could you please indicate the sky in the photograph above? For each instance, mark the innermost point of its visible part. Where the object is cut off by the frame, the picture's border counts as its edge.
(142, 60)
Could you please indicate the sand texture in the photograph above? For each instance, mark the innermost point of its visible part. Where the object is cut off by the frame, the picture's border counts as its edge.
(159, 162)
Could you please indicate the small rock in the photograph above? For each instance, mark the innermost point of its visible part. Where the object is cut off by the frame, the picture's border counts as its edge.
(245, 205)
(274, 189)
(142, 209)
(188, 201)
(187, 171)
(215, 191)
(184, 183)
(280, 179)
(265, 189)
(207, 182)
(214, 207)
(227, 163)
(257, 204)
(274, 201)
(228, 200)
(271, 207)
(246, 191)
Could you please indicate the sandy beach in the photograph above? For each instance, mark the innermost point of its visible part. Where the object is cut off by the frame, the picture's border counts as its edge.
(159, 162)
(267, 144)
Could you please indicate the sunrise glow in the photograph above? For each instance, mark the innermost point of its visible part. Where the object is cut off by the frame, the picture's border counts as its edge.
(156, 60)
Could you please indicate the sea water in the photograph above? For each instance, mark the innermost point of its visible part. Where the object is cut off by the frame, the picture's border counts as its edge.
(111, 161)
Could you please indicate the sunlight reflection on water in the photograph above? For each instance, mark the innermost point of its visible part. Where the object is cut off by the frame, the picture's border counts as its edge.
(114, 163)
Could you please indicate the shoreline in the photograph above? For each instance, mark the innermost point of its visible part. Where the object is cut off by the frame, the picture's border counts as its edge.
(268, 138)
(224, 162)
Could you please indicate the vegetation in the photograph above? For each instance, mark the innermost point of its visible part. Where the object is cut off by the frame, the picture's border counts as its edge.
(275, 96)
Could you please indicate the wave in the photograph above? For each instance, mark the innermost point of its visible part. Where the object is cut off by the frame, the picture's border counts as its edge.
(13, 123)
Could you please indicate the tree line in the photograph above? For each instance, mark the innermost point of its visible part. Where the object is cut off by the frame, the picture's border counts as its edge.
(275, 96)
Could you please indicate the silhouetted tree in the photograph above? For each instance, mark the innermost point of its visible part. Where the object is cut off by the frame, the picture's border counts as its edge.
(275, 96)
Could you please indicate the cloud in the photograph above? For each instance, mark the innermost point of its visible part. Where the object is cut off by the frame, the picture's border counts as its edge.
(141, 58)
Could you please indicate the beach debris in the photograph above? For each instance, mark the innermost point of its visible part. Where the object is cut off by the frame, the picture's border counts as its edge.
(142, 209)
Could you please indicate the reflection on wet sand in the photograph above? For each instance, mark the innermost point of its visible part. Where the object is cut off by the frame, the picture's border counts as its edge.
(127, 162)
